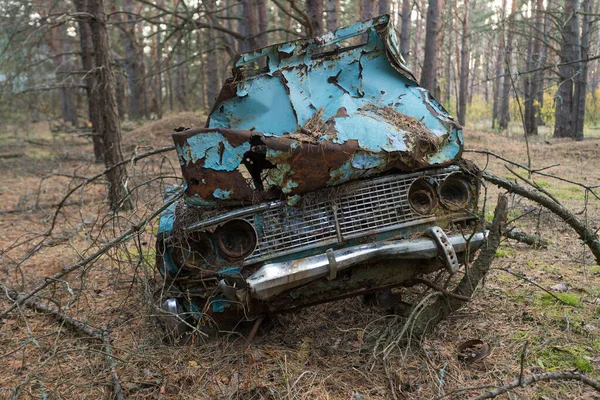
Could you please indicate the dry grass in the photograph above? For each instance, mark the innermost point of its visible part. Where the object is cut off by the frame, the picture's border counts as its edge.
(321, 352)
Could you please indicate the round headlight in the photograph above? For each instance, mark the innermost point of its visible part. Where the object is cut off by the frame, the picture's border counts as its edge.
(195, 249)
(455, 192)
(422, 197)
(236, 239)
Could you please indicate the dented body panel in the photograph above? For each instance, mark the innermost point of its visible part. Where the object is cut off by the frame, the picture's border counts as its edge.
(311, 117)
(323, 172)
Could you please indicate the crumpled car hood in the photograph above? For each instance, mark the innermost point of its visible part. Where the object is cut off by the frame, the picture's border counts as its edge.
(298, 116)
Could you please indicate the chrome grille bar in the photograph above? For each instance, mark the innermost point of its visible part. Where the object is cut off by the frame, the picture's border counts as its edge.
(371, 206)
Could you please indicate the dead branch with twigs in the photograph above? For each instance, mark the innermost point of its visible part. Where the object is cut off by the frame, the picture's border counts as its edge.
(587, 235)
(523, 381)
(86, 261)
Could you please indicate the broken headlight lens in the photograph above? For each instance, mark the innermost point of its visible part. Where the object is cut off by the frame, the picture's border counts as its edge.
(455, 192)
(236, 239)
(422, 197)
(194, 250)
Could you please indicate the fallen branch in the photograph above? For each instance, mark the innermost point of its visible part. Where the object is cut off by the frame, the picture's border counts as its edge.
(531, 240)
(11, 155)
(114, 376)
(441, 289)
(523, 277)
(528, 380)
(434, 312)
(73, 267)
(589, 237)
(56, 313)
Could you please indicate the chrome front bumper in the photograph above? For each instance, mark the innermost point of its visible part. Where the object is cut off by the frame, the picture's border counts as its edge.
(274, 278)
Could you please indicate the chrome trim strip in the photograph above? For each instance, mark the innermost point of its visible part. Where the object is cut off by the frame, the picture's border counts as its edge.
(275, 278)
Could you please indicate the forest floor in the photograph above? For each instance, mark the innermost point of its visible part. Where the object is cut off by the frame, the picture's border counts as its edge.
(325, 352)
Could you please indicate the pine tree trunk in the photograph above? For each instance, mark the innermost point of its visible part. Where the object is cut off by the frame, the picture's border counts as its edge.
(504, 114)
(249, 25)
(263, 23)
(564, 125)
(581, 82)
(314, 9)
(416, 55)
(528, 80)
(428, 75)
(86, 48)
(536, 62)
(498, 72)
(367, 9)
(384, 7)
(405, 32)
(180, 80)
(464, 67)
(105, 85)
(333, 14)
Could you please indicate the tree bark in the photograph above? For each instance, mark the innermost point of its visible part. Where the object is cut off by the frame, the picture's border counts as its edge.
(249, 26)
(464, 67)
(159, 80)
(333, 14)
(416, 55)
(86, 48)
(564, 125)
(538, 77)
(405, 32)
(105, 85)
(384, 7)
(180, 80)
(263, 23)
(504, 112)
(498, 78)
(581, 81)
(428, 75)
(368, 8)
(314, 9)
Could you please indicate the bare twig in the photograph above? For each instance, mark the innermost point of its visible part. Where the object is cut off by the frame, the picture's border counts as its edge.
(114, 376)
(532, 240)
(441, 289)
(589, 237)
(523, 277)
(547, 376)
(56, 313)
(443, 306)
(73, 267)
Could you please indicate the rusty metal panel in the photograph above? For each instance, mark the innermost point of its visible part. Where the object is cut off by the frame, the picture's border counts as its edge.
(298, 116)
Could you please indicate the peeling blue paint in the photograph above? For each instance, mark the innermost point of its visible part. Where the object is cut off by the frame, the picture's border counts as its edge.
(219, 303)
(361, 100)
(216, 152)
(360, 80)
(230, 271)
(222, 194)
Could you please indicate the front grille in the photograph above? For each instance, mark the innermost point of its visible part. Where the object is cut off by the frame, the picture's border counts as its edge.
(360, 208)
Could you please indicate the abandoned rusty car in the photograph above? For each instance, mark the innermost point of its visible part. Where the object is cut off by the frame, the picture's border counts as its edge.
(324, 171)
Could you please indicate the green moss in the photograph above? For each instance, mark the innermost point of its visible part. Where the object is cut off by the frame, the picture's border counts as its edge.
(583, 365)
(542, 183)
(503, 252)
(567, 192)
(564, 357)
(567, 298)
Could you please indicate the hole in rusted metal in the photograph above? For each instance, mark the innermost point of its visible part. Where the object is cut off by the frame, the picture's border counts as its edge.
(255, 161)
